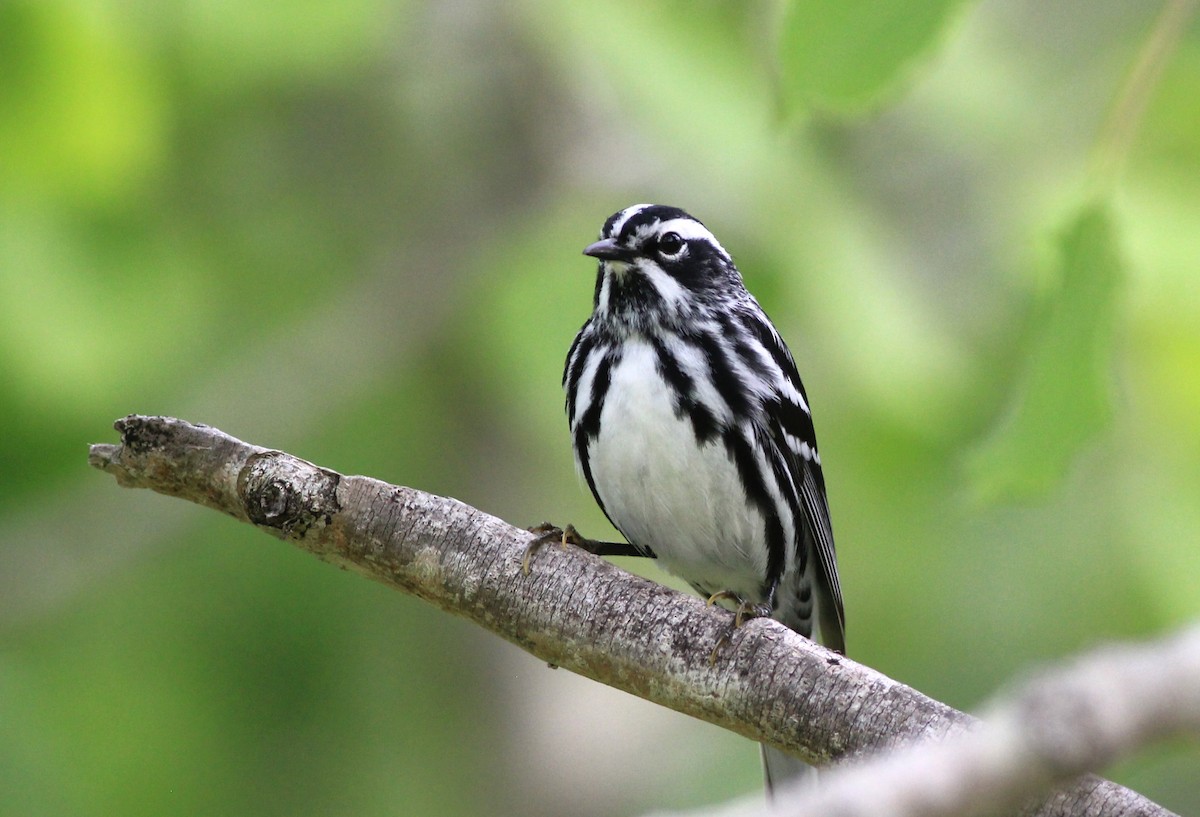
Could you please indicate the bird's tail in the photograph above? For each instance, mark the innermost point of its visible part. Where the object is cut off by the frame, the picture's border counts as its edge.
(780, 769)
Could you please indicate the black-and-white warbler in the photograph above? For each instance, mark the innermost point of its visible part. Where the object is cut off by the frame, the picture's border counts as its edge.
(693, 430)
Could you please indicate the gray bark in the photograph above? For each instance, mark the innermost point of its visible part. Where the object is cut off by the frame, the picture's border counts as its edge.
(574, 610)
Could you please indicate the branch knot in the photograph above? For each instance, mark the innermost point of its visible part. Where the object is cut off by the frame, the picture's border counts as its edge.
(287, 493)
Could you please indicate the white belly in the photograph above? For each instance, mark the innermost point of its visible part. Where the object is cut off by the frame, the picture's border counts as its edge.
(665, 492)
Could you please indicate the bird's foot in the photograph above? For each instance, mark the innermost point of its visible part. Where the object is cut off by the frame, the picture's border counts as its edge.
(548, 532)
(744, 611)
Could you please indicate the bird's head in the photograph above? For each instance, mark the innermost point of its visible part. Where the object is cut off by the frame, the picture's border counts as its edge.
(659, 264)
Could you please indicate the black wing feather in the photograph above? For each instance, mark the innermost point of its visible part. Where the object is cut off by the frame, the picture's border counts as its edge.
(796, 429)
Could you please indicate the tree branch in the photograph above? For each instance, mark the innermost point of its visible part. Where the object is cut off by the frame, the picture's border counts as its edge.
(575, 611)
(1059, 724)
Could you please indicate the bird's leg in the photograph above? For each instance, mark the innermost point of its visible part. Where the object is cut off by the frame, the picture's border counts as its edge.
(744, 611)
(549, 532)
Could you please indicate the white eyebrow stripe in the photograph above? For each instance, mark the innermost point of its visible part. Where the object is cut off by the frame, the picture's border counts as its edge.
(689, 229)
(629, 211)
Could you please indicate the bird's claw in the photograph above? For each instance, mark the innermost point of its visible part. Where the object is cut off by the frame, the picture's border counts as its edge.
(549, 532)
(745, 611)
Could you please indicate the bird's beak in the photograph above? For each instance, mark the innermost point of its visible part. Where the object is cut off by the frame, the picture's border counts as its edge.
(607, 249)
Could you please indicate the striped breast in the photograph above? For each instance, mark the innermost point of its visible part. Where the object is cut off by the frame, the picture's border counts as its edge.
(665, 491)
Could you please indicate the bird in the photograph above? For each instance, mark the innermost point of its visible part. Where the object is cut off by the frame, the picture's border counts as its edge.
(693, 431)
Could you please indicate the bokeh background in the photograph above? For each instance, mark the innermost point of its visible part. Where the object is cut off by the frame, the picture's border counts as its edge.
(352, 230)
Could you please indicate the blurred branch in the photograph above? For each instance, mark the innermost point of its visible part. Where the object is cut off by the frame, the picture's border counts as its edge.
(1056, 726)
(1123, 121)
(575, 611)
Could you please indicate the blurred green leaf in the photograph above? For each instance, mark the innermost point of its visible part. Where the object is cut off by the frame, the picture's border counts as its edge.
(1169, 139)
(1065, 399)
(79, 105)
(204, 203)
(843, 55)
(232, 45)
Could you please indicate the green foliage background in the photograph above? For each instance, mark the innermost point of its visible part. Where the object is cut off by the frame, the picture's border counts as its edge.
(353, 230)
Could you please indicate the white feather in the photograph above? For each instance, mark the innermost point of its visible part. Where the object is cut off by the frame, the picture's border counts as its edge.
(664, 491)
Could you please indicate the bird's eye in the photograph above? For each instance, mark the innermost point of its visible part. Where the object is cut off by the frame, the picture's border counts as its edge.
(670, 244)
